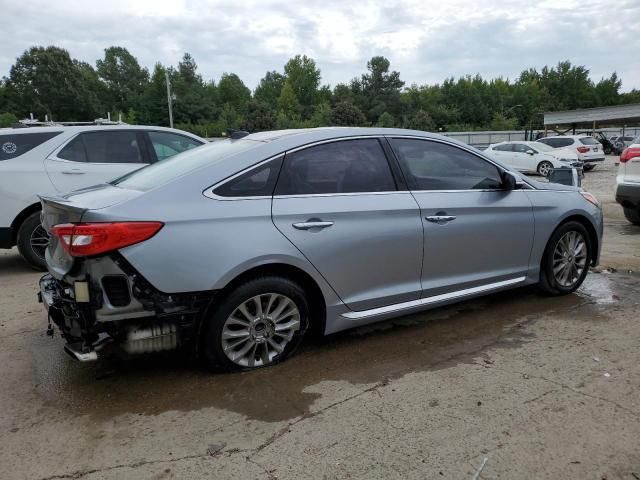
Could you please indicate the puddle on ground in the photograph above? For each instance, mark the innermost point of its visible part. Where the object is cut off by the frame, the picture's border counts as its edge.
(432, 340)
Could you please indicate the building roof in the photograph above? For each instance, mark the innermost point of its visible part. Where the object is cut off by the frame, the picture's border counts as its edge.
(613, 114)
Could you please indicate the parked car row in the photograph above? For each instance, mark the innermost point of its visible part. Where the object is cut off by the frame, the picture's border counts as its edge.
(239, 248)
(49, 160)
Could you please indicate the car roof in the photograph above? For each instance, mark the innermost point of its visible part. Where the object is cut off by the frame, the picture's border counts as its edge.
(89, 128)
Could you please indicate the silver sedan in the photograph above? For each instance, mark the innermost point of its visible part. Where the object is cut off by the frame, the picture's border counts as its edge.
(239, 248)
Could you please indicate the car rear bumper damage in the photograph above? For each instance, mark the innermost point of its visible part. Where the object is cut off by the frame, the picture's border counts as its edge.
(106, 302)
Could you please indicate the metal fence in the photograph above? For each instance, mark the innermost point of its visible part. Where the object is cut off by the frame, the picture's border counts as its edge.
(484, 139)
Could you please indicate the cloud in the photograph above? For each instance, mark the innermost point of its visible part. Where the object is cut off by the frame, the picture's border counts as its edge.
(427, 41)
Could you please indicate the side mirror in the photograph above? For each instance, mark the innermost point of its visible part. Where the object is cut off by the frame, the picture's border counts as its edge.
(531, 152)
(510, 181)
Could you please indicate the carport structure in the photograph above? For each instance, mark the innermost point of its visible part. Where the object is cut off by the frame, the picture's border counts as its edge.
(591, 118)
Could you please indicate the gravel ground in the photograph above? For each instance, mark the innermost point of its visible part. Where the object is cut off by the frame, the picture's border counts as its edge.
(539, 387)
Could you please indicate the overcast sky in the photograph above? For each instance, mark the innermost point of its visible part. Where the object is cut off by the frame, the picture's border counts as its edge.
(427, 41)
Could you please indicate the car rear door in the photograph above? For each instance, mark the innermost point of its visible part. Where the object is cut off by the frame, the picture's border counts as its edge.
(476, 234)
(94, 157)
(339, 204)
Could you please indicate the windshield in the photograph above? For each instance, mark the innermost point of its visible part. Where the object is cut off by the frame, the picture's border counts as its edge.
(543, 147)
(589, 141)
(170, 168)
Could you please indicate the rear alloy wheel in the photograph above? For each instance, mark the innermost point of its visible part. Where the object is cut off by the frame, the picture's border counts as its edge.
(32, 241)
(588, 167)
(260, 323)
(633, 215)
(544, 168)
(566, 259)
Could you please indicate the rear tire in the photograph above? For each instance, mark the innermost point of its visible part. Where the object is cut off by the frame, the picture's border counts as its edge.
(566, 259)
(268, 338)
(544, 168)
(31, 242)
(633, 215)
(588, 167)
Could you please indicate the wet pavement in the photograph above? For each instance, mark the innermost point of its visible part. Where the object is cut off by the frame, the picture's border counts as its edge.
(543, 387)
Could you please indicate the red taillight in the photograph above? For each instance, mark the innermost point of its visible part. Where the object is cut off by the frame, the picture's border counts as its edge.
(629, 153)
(583, 149)
(86, 239)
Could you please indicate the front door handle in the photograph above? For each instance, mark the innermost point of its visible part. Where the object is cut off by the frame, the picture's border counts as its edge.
(311, 224)
(73, 172)
(440, 218)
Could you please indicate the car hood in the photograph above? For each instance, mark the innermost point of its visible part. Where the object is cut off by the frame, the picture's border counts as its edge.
(551, 186)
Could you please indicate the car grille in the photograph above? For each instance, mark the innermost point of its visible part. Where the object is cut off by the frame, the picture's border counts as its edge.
(117, 289)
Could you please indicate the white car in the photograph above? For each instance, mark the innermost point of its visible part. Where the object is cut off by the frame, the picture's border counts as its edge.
(589, 150)
(628, 182)
(55, 159)
(533, 157)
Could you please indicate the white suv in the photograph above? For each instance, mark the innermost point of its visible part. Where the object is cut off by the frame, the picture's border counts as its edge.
(628, 182)
(589, 150)
(56, 159)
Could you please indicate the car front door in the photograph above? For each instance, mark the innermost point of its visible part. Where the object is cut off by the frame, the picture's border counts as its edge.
(339, 204)
(477, 235)
(525, 162)
(95, 157)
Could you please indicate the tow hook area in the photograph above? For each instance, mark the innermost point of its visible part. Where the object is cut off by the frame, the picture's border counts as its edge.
(83, 353)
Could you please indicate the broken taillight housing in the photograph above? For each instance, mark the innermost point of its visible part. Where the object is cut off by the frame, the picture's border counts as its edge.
(87, 239)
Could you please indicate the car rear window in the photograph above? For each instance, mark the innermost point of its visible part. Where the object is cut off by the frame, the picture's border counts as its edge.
(589, 141)
(13, 145)
(164, 171)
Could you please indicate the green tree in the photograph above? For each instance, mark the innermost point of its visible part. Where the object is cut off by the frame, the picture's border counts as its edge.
(380, 89)
(259, 117)
(345, 114)
(233, 92)
(421, 120)
(47, 81)
(7, 120)
(269, 88)
(124, 78)
(288, 102)
(386, 120)
(501, 122)
(608, 90)
(304, 78)
(153, 107)
(193, 102)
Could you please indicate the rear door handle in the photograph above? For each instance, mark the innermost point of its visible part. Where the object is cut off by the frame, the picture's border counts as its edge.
(440, 218)
(311, 224)
(73, 172)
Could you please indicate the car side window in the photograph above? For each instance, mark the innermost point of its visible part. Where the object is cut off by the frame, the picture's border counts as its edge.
(346, 166)
(257, 182)
(506, 147)
(166, 144)
(429, 165)
(522, 148)
(118, 146)
(74, 150)
(14, 145)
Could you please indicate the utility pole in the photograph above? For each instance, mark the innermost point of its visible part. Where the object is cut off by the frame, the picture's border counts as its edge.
(169, 99)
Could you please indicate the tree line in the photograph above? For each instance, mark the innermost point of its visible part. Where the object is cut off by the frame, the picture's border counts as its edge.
(48, 81)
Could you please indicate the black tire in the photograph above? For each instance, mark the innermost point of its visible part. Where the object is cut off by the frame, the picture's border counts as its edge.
(212, 352)
(588, 167)
(27, 229)
(548, 282)
(544, 166)
(633, 215)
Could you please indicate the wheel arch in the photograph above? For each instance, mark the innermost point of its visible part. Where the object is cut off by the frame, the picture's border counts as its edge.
(21, 217)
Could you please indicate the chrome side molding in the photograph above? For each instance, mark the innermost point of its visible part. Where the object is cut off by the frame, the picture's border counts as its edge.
(430, 300)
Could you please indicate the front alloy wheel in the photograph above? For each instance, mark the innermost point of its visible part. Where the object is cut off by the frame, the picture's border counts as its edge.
(569, 259)
(259, 329)
(545, 168)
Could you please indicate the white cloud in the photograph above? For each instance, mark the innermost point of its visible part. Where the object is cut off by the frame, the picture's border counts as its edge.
(427, 41)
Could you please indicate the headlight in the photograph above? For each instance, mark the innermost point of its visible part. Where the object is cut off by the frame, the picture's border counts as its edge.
(589, 197)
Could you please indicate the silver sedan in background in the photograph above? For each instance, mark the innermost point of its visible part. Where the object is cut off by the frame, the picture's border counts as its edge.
(240, 248)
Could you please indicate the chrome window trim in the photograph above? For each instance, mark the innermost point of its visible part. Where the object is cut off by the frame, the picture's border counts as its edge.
(431, 300)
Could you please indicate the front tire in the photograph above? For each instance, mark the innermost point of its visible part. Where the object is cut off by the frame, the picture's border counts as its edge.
(566, 259)
(633, 215)
(260, 323)
(32, 241)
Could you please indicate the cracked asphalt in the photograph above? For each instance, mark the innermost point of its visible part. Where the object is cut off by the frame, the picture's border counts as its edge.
(540, 387)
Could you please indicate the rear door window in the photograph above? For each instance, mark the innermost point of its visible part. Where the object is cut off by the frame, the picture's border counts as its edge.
(13, 145)
(506, 147)
(166, 144)
(120, 146)
(346, 166)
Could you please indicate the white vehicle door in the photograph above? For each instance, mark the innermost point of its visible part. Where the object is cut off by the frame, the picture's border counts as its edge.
(504, 153)
(525, 160)
(95, 157)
